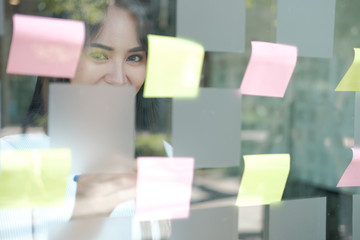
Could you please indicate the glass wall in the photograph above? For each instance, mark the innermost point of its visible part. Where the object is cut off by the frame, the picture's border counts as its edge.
(316, 125)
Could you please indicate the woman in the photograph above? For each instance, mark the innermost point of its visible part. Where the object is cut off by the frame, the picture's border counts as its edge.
(115, 53)
(123, 63)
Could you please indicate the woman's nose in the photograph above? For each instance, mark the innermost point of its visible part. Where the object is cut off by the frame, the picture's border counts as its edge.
(116, 75)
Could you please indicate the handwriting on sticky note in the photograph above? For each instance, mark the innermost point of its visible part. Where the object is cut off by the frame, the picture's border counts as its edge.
(269, 70)
(34, 178)
(264, 179)
(174, 67)
(351, 176)
(163, 187)
(351, 80)
(45, 46)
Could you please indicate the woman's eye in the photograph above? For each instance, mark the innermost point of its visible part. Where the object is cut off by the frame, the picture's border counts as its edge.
(98, 56)
(135, 58)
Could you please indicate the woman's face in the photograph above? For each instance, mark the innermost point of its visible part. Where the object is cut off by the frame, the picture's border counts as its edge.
(115, 56)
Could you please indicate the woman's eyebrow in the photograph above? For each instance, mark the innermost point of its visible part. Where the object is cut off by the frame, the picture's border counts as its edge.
(137, 49)
(99, 45)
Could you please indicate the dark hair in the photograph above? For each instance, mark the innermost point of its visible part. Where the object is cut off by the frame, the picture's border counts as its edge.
(146, 109)
(93, 26)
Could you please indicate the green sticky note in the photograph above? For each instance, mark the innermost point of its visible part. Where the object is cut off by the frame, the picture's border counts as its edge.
(174, 67)
(264, 179)
(351, 80)
(34, 178)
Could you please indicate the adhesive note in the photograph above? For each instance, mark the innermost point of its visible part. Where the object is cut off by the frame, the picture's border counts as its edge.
(264, 179)
(351, 80)
(297, 220)
(351, 177)
(355, 216)
(97, 122)
(209, 224)
(34, 178)
(163, 187)
(356, 119)
(269, 70)
(45, 46)
(218, 25)
(208, 128)
(174, 67)
(313, 34)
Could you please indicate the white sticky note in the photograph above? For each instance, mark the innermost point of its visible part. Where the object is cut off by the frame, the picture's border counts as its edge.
(97, 122)
(307, 24)
(163, 188)
(218, 25)
(298, 220)
(208, 128)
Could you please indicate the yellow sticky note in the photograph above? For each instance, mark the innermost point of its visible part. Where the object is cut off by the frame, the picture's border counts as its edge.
(34, 178)
(351, 80)
(264, 179)
(174, 67)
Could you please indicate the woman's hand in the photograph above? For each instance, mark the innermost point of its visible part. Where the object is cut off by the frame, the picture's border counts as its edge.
(99, 194)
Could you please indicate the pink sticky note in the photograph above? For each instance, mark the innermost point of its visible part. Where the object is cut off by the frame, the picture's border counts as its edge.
(351, 176)
(163, 188)
(269, 70)
(45, 46)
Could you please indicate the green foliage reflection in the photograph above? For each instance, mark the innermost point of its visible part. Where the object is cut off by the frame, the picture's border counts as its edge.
(90, 11)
